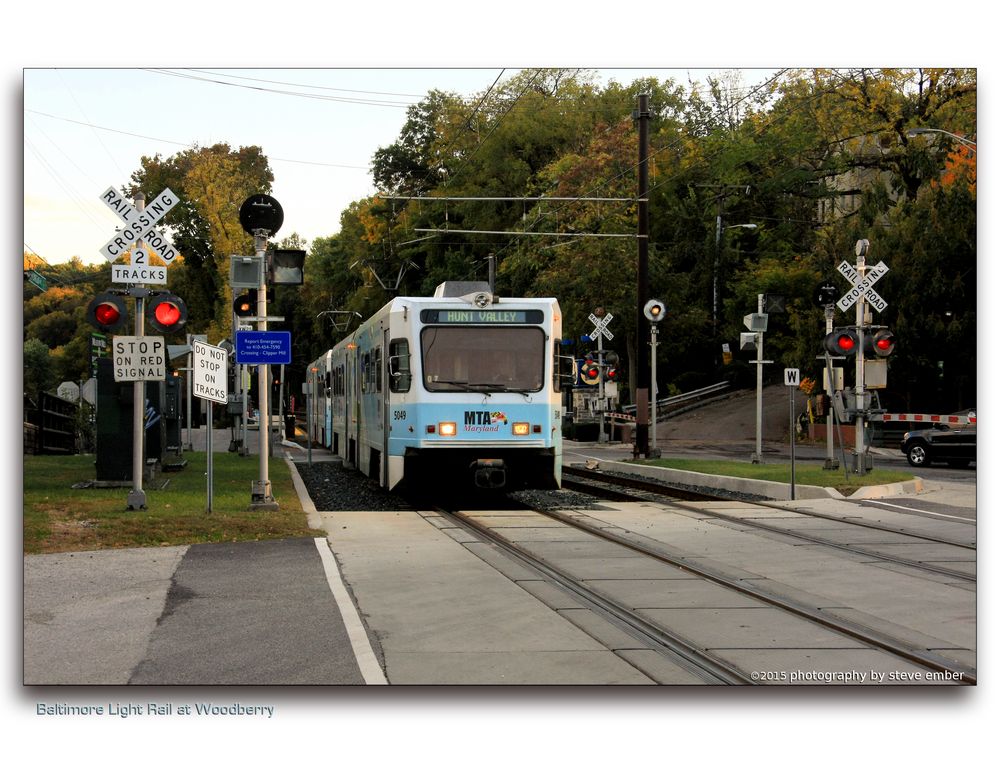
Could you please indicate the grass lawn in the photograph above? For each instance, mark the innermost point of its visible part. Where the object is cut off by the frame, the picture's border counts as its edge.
(781, 472)
(58, 518)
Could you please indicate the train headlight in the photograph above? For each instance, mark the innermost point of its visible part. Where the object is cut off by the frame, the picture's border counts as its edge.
(521, 429)
(447, 428)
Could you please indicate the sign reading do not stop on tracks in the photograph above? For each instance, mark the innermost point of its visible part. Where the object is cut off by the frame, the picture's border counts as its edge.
(210, 372)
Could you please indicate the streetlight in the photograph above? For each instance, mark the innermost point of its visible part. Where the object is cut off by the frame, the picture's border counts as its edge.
(924, 130)
(715, 268)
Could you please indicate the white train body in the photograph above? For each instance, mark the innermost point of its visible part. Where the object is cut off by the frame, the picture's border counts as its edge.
(433, 392)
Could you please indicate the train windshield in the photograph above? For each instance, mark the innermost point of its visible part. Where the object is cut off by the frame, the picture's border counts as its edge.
(482, 358)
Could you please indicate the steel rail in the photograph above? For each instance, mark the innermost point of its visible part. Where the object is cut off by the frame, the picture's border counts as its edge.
(685, 494)
(673, 646)
(859, 632)
(755, 524)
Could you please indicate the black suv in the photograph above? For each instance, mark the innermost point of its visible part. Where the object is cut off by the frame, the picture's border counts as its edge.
(956, 446)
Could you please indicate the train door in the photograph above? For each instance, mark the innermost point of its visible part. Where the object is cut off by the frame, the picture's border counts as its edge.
(383, 381)
(352, 411)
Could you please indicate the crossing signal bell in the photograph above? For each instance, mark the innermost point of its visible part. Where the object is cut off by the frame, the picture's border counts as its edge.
(842, 342)
(107, 312)
(166, 313)
(246, 305)
(881, 343)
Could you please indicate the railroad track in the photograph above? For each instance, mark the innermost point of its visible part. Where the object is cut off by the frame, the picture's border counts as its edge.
(632, 489)
(680, 650)
(696, 658)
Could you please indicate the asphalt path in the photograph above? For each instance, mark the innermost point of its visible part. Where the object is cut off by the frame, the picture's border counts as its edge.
(250, 613)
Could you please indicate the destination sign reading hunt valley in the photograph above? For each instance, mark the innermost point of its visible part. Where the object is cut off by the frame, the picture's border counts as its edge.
(467, 317)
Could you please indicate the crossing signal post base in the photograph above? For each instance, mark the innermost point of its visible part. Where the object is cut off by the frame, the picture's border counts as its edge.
(136, 500)
(261, 498)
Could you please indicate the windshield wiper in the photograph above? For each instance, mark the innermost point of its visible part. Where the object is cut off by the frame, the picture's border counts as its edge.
(469, 386)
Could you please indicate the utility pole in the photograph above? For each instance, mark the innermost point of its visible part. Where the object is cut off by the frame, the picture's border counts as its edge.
(641, 447)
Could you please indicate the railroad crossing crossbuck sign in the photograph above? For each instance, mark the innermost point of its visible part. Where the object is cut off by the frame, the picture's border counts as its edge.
(601, 324)
(862, 286)
(137, 230)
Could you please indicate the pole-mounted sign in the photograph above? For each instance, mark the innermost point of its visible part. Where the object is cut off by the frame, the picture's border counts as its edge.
(138, 358)
(210, 375)
(862, 286)
(138, 231)
(261, 216)
(601, 324)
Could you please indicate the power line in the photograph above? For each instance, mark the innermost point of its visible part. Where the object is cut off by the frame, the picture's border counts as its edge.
(299, 84)
(311, 96)
(177, 143)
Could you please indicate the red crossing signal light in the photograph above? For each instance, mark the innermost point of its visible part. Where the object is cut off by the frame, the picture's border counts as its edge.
(882, 342)
(166, 313)
(107, 312)
(841, 342)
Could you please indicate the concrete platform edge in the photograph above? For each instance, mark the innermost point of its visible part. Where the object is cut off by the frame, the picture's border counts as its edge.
(769, 489)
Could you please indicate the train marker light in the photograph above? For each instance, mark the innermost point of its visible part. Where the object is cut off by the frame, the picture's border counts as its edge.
(882, 343)
(841, 342)
(521, 429)
(107, 312)
(166, 313)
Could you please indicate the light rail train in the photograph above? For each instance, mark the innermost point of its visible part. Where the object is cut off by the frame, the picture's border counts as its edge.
(434, 393)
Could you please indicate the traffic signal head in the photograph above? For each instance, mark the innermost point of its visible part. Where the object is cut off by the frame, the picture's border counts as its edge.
(841, 342)
(882, 342)
(166, 313)
(246, 305)
(611, 373)
(107, 312)
(590, 372)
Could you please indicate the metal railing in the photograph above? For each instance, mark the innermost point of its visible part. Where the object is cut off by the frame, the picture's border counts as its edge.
(686, 401)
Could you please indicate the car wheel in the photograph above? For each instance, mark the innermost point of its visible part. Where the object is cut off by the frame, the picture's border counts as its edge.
(917, 455)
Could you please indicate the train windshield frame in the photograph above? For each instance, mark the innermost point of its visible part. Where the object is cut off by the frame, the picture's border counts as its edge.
(482, 358)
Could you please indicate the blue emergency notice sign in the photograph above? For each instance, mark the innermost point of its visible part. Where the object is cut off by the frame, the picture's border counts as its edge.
(264, 347)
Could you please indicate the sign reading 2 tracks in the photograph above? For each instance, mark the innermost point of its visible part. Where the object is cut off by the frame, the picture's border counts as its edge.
(138, 231)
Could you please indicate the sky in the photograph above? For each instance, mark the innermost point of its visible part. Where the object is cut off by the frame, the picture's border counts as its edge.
(85, 130)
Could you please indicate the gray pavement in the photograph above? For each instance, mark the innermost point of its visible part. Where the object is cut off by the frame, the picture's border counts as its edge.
(250, 613)
(437, 609)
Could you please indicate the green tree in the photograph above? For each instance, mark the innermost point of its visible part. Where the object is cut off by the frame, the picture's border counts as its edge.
(212, 183)
(38, 376)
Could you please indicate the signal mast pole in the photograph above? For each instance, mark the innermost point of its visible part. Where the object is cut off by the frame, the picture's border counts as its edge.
(262, 499)
(860, 400)
(136, 496)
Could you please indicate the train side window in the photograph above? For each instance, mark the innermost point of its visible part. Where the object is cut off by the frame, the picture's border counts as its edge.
(399, 366)
(378, 369)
